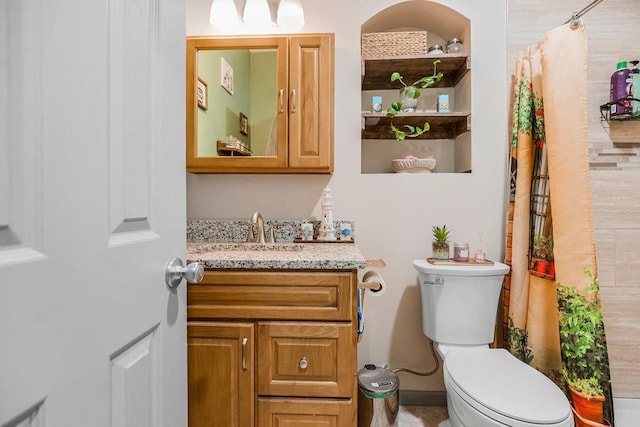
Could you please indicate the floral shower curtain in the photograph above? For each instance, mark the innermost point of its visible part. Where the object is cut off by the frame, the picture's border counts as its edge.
(551, 295)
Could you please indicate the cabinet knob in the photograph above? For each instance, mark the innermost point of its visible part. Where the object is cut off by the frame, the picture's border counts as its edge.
(304, 363)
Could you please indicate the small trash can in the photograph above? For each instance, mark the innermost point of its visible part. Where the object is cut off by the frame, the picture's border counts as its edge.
(377, 397)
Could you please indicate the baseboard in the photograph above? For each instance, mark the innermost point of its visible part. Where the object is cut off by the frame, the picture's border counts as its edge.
(423, 398)
(626, 411)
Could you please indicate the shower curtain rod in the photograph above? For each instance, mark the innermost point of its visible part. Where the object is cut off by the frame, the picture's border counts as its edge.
(582, 12)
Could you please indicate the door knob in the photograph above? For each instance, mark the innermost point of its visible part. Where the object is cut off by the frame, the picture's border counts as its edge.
(175, 271)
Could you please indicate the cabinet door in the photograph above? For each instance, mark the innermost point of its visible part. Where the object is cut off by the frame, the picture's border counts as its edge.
(221, 374)
(255, 85)
(311, 87)
(276, 412)
(306, 359)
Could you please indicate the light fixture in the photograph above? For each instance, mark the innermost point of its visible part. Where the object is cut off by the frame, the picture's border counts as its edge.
(224, 15)
(290, 15)
(257, 16)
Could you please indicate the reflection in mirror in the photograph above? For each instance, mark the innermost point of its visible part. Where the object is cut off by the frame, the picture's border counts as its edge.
(238, 117)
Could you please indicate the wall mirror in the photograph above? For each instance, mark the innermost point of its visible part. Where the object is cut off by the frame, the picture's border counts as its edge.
(235, 103)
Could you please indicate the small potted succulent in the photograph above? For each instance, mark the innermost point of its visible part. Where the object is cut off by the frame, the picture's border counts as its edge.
(440, 244)
(409, 95)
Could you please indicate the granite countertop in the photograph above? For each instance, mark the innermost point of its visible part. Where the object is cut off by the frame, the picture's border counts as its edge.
(294, 256)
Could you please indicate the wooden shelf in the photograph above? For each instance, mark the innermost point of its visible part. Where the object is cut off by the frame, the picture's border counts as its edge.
(225, 150)
(376, 72)
(442, 125)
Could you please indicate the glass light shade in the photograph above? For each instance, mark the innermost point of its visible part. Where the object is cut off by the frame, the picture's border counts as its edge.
(290, 15)
(224, 15)
(257, 15)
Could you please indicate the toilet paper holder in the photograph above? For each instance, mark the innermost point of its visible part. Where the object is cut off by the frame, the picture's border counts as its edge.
(372, 286)
(372, 281)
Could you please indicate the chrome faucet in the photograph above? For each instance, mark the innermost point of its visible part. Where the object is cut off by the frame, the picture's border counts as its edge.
(259, 222)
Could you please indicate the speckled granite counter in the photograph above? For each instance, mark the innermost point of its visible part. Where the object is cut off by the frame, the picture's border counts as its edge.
(298, 256)
(234, 253)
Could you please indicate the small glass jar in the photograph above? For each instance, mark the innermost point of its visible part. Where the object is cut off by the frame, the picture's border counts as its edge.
(461, 252)
(436, 49)
(455, 46)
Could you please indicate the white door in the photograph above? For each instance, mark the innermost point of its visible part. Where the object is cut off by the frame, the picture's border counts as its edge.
(92, 206)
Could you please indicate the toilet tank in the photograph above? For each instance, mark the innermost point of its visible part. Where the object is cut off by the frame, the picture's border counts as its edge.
(460, 302)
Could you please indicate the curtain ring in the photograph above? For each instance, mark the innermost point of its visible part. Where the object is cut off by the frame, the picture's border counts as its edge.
(575, 21)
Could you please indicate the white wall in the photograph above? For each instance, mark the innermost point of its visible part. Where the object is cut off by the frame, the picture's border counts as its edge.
(393, 213)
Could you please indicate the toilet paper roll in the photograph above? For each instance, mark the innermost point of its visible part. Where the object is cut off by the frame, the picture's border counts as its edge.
(371, 277)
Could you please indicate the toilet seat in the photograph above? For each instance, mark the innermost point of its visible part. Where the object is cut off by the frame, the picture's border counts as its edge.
(505, 389)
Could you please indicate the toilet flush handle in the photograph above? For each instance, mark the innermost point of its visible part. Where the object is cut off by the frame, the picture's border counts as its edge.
(439, 280)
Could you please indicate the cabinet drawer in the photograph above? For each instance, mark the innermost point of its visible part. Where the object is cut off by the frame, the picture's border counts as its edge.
(306, 359)
(277, 412)
(322, 295)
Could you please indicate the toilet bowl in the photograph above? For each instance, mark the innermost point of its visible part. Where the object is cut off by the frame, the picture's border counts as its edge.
(490, 387)
(485, 387)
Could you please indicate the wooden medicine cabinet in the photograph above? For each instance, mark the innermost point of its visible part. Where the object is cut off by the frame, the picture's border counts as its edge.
(260, 104)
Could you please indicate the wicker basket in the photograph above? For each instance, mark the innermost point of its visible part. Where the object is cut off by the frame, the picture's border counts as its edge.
(394, 44)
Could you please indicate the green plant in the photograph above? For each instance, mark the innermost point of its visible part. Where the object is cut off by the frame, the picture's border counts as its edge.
(542, 247)
(411, 91)
(518, 343)
(582, 338)
(441, 234)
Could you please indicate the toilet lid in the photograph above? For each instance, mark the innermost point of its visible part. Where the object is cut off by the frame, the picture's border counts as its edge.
(498, 382)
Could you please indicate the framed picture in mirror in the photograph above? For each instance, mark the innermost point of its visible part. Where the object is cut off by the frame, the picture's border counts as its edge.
(244, 124)
(226, 76)
(202, 94)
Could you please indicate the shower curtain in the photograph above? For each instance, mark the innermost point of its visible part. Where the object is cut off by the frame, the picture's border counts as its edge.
(551, 243)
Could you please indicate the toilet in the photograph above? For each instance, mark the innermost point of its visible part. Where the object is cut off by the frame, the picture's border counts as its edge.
(485, 387)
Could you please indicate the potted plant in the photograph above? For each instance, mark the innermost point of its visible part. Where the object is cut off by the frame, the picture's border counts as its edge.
(542, 250)
(583, 347)
(409, 95)
(440, 244)
(551, 271)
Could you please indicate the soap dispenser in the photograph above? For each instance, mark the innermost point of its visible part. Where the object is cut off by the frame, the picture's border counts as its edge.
(327, 230)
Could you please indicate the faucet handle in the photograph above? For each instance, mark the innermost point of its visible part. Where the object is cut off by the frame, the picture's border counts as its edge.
(270, 235)
(250, 237)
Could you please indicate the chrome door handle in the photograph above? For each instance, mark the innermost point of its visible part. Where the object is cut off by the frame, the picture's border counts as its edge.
(281, 100)
(175, 271)
(244, 354)
(293, 101)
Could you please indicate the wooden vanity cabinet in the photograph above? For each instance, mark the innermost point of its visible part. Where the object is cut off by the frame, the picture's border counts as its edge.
(272, 348)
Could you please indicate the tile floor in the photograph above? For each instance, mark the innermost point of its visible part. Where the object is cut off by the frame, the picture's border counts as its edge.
(423, 416)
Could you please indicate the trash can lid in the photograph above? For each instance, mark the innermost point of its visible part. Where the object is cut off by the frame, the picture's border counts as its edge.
(376, 382)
